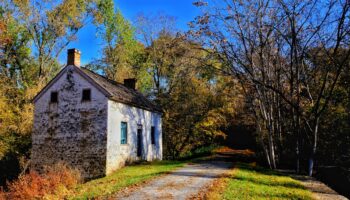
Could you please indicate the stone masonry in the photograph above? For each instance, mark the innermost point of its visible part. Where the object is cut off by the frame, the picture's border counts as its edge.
(70, 130)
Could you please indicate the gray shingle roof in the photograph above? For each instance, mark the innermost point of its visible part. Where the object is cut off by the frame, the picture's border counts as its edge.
(120, 93)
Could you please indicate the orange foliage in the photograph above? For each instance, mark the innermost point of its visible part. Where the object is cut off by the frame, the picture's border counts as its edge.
(246, 152)
(38, 186)
(2, 195)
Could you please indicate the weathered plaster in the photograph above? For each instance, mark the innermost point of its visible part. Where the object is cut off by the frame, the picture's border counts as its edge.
(119, 154)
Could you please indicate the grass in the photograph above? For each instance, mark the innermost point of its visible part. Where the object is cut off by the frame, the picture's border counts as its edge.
(199, 152)
(250, 182)
(122, 178)
(245, 181)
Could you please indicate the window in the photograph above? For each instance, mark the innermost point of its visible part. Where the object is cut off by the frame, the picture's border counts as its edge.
(86, 95)
(54, 97)
(153, 137)
(124, 133)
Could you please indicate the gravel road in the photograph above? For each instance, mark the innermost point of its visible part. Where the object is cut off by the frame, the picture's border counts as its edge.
(186, 182)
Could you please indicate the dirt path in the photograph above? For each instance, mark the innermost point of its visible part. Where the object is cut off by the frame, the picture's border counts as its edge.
(183, 183)
(320, 190)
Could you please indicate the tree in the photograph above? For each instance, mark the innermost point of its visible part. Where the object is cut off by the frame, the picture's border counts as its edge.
(121, 50)
(157, 33)
(266, 45)
(51, 26)
(33, 34)
(194, 99)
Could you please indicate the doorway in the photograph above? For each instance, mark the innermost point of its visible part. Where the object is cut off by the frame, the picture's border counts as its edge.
(139, 141)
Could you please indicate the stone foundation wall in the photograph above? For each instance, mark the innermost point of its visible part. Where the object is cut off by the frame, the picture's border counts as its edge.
(71, 131)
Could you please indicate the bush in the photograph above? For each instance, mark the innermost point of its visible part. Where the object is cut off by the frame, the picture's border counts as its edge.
(54, 182)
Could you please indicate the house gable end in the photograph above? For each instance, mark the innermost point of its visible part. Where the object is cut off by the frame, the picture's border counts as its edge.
(71, 127)
(61, 73)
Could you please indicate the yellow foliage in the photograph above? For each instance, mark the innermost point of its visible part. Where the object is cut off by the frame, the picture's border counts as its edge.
(16, 112)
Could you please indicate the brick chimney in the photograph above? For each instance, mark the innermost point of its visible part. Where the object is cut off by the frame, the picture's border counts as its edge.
(73, 57)
(130, 83)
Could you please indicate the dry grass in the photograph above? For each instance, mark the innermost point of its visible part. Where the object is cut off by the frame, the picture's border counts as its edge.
(54, 183)
(214, 192)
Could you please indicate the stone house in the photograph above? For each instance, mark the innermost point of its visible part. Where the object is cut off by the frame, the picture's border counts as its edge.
(92, 123)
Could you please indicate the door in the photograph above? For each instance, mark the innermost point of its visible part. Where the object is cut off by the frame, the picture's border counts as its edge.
(139, 142)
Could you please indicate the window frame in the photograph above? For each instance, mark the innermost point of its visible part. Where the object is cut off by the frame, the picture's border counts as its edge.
(51, 97)
(82, 95)
(123, 124)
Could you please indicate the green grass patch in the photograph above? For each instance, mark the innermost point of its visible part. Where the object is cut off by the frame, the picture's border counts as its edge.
(248, 182)
(122, 178)
(199, 152)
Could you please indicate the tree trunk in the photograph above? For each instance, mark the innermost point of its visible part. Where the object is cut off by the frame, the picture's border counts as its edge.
(266, 152)
(272, 152)
(314, 148)
(297, 151)
(311, 164)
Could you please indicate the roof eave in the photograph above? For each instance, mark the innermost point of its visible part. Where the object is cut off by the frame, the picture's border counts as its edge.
(137, 106)
(48, 85)
(93, 82)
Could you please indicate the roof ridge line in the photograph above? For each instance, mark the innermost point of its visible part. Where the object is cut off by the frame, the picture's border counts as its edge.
(113, 81)
(110, 80)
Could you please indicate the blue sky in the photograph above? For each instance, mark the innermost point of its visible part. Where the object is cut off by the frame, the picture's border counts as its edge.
(91, 46)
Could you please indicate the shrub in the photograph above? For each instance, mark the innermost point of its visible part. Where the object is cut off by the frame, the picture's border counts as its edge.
(2, 194)
(54, 182)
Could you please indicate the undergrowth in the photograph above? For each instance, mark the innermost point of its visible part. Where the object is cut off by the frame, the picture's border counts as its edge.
(54, 182)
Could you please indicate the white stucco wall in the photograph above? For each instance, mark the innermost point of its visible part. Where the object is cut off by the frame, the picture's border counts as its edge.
(71, 131)
(118, 154)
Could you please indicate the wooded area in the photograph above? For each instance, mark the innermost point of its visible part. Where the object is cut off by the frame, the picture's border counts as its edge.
(281, 67)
